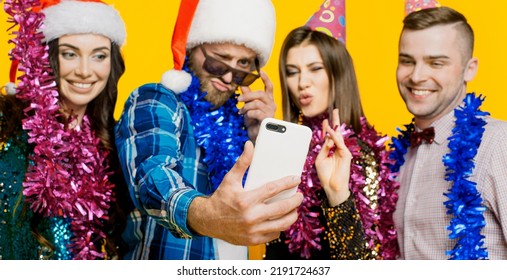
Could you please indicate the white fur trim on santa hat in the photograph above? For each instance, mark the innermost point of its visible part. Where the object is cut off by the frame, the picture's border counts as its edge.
(77, 17)
(10, 88)
(243, 22)
(176, 80)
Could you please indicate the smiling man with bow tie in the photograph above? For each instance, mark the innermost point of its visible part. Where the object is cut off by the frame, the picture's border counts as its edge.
(453, 189)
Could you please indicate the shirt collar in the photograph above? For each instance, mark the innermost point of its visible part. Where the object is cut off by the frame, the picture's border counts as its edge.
(443, 128)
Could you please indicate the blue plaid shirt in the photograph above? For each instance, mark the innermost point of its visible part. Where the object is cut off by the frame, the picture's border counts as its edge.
(164, 170)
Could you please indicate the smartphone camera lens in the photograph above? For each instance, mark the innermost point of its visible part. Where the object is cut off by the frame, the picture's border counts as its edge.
(275, 127)
(272, 126)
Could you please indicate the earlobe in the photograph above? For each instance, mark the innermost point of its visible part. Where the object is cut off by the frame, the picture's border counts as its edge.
(471, 69)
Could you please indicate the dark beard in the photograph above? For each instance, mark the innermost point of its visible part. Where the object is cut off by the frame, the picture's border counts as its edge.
(214, 96)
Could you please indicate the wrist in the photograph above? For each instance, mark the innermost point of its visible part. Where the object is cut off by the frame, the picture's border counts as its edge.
(197, 220)
(336, 198)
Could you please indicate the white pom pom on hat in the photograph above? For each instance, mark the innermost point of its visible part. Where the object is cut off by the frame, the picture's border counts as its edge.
(243, 22)
(10, 88)
(178, 80)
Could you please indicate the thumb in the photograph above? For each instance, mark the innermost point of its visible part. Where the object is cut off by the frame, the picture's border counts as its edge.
(324, 151)
(243, 162)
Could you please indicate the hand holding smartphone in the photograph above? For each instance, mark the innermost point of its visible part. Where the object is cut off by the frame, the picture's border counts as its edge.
(280, 150)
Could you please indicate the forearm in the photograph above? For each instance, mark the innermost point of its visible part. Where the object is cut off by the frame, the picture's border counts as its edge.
(345, 232)
(150, 154)
(164, 196)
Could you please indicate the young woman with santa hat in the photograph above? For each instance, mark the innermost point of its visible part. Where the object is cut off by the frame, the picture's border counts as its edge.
(59, 186)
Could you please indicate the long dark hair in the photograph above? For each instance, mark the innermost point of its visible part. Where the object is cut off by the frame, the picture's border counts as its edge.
(343, 91)
(101, 114)
(11, 115)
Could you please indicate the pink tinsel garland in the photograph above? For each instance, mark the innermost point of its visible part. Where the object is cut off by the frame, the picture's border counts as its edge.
(378, 221)
(69, 174)
(304, 235)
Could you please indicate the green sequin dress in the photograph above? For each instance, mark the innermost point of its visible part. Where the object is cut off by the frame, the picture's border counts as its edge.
(17, 242)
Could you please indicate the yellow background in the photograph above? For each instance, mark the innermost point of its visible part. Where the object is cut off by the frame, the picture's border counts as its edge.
(372, 36)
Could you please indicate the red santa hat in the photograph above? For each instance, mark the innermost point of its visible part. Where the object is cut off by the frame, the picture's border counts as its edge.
(65, 17)
(243, 22)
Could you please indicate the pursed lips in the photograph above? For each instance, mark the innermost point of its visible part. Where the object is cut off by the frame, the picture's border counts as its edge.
(220, 86)
(305, 99)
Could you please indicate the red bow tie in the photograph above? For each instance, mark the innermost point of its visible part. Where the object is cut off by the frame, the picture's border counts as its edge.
(416, 138)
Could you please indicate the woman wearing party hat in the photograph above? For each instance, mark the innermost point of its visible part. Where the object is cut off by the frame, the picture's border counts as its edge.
(58, 182)
(349, 194)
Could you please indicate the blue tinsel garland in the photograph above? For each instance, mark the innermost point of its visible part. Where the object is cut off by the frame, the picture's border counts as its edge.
(221, 133)
(465, 202)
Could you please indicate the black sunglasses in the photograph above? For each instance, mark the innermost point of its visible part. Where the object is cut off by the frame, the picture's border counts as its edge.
(219, 68)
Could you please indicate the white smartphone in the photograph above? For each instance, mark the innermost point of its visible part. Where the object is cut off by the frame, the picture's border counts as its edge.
(280, 150)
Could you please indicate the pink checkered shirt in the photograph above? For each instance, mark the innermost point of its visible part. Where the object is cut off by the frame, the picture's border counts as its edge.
(420, 215)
